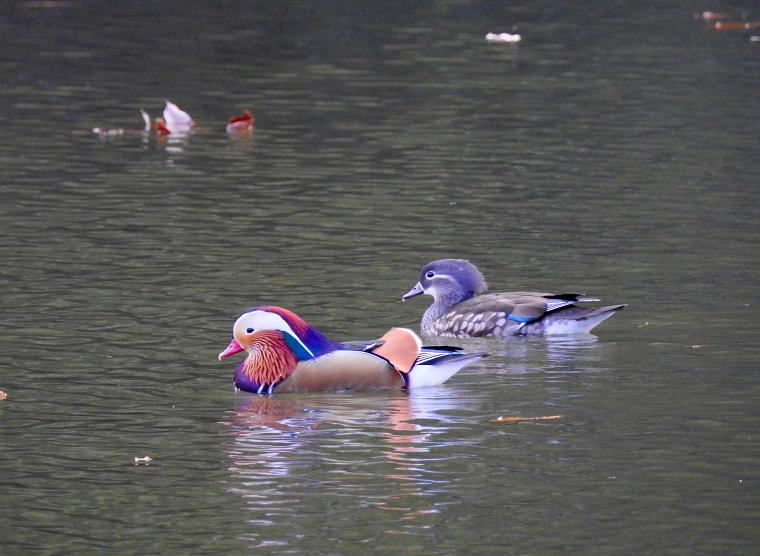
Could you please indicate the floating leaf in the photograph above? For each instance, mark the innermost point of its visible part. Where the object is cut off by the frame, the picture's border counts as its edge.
(515, 419)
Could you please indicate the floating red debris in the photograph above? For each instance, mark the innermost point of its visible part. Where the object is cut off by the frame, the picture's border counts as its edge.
(722, 26)
(243, 123)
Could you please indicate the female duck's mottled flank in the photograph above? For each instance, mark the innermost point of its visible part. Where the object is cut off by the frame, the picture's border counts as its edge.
(286, 354)
(458, 312)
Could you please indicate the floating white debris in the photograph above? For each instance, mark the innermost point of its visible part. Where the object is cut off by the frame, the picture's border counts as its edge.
(711, 16)
(503, 37)
(177, 120)
(103, 132)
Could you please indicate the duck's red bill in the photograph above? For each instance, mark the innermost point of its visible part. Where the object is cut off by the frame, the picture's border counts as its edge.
(231, 349)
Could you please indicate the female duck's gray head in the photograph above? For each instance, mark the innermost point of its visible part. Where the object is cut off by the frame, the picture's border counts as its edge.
(449, 280)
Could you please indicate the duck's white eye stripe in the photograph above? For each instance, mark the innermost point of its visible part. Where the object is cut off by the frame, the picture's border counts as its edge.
(264, 320)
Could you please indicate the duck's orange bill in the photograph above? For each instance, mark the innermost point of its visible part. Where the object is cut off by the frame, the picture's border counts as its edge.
(231, 349)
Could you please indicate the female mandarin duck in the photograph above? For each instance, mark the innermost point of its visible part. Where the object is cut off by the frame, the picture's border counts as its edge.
(456, 310)
(286, 354)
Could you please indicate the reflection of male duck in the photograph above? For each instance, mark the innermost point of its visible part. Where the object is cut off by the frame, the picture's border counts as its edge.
(307, 440)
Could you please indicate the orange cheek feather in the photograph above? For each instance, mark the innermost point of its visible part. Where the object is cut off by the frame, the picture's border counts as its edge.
(270, 360)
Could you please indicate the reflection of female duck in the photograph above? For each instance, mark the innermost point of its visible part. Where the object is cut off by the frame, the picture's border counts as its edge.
(287, 354)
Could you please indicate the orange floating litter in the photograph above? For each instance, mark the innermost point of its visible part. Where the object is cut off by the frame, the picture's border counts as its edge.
(515, 419)
(721, 26)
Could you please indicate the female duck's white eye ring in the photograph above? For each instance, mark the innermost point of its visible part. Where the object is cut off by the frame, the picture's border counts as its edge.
(429, 274)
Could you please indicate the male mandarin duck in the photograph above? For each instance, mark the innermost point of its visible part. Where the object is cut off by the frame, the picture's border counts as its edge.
(458, 312)
(286, 354)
